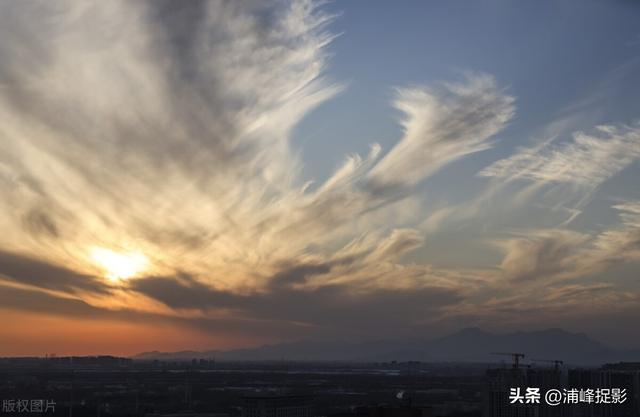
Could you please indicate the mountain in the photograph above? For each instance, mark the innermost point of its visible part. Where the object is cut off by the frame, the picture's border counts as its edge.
(467, 345)
(477, 345)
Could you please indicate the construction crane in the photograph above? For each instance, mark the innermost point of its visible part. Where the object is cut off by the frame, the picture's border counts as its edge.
(516, 357)
(556, 363)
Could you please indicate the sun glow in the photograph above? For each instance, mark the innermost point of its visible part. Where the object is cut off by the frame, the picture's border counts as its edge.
(119, 265)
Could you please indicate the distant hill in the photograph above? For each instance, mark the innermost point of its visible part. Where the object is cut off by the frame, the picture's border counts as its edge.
(467, 345)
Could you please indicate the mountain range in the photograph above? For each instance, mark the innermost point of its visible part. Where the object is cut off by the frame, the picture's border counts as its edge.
(467, 345)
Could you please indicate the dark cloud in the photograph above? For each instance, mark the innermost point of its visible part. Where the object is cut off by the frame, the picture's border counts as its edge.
(42, 303)
(29, 271)
(330, 308)
(299, 273)
(183, 293)
(38, 302)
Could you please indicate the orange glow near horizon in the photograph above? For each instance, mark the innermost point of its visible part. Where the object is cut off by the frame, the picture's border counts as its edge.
(27, 334)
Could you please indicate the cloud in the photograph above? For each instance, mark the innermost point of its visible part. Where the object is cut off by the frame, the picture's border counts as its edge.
(153, 124)
(621, 243)
(541, 254)
(559, 255)
(35, 301)
(39, 303)
(163, 128)
(587, 160)
(559, 176)
(350, 309)
(442, 125)
(35, 273)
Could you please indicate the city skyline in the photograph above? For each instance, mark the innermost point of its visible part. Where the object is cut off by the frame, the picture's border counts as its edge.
(214, 175)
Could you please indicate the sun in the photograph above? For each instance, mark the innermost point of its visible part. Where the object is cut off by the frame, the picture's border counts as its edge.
(119, 265)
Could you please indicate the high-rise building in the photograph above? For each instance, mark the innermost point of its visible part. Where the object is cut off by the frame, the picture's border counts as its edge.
(499, 383)
(624, 376)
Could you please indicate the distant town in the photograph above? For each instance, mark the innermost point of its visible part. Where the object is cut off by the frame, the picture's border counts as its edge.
(114, 386)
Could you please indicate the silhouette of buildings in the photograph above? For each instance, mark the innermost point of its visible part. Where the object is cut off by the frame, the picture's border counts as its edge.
(623, 376)
(499, 383)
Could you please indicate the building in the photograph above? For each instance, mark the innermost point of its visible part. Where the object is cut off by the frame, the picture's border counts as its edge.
(499, 383)
(623, 375)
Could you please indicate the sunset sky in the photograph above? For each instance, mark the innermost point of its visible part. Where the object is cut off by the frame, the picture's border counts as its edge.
(218, 174)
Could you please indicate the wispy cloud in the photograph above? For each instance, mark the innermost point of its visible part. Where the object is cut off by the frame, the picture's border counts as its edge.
(560, 255)
(586, 160)
(442, 125)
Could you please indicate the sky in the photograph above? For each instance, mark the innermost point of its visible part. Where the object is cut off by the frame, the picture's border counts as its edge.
(219, 174)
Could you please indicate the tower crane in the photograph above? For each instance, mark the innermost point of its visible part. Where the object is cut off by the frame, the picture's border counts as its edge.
(516, 357)
(556, 363)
